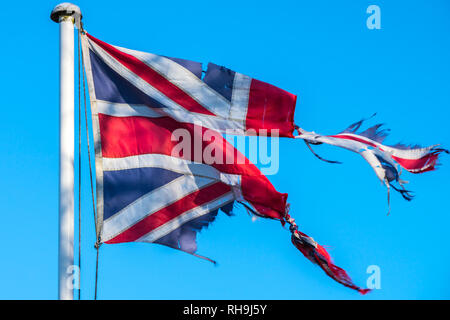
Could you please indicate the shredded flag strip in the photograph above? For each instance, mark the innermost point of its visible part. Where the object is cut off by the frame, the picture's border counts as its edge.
(385, 160)
(150, 191)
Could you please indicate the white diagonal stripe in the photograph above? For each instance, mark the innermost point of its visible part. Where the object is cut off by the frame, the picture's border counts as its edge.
(187, 216)
(185, 80)
(151, 203)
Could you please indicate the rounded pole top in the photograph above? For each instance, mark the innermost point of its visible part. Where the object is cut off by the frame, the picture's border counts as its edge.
(65, 9)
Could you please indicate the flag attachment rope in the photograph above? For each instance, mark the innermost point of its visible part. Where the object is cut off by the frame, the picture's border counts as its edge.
(98, 243)
(79, 171)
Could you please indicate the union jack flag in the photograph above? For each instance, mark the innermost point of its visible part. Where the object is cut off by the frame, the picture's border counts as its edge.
(148, 193)
(144, 191)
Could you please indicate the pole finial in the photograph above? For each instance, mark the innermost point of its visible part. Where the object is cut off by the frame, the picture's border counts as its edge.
(66, 9)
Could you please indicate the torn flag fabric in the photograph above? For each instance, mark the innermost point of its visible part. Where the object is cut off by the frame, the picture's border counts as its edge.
(148, 192)
(385, 160)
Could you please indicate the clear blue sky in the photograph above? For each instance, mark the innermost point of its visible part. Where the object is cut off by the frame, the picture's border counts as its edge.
(341, 71)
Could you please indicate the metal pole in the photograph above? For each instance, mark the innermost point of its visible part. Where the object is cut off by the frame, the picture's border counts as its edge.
(65, 14)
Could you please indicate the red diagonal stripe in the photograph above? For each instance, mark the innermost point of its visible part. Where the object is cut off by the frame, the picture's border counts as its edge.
(153, 78)
(172, 211)
(343, 136)
(423, 164)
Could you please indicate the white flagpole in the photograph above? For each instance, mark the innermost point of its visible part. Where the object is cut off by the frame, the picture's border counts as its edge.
(65, 14)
